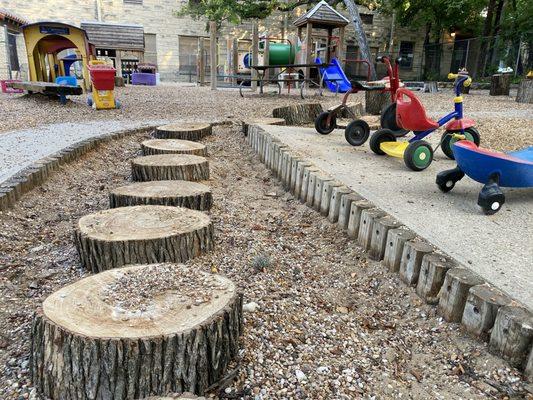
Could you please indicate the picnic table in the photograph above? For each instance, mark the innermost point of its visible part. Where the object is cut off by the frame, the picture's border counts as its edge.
(48, 89)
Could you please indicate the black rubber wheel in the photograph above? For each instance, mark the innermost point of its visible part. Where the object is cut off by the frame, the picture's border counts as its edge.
(418, 155)
(378, 137)
(321, 123)
(357, 132)
(446, 180)
(447, 140)
(388, 121)
(491, 198)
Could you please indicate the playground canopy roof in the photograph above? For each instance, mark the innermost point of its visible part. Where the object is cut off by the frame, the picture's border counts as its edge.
(322, 16)
(115, 36)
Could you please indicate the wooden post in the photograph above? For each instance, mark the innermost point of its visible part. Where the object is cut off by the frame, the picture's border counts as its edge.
(213, 53)
(235, 60)
(200, 72)
(340, 50)
(255, 54)
(308, 49)
(329, 54)
(266, 57)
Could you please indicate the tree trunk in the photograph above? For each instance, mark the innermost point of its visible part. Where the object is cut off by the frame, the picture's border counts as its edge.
(169, 167)
(298, 114)
(525, 91)
(361, 36)
(495, 30)
(141, 234)
(173, 146)
(193, 195)
(136, 332)
(500, 85)
(487, 28)
(183, 131)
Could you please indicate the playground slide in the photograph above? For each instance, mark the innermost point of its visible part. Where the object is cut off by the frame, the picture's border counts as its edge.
(334, 75)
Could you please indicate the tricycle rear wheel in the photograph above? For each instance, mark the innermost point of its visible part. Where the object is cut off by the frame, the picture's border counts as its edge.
(357, 132)
(378, 137)
(321, 123)
(447, 140)
(388, 121)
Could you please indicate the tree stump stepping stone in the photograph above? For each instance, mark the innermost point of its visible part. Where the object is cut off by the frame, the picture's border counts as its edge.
(136, 332)
(173, 146)
(261, 121)
(298, 114)
(183, 130)
(167, 167)
(193, 195)
(142, 234)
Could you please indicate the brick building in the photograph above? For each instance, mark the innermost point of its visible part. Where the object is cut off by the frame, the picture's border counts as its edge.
(172, 42)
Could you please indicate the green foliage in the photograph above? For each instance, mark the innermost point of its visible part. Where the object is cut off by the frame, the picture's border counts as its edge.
(451, 15)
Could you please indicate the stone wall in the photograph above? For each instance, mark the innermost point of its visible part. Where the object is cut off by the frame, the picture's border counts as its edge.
(4, 73)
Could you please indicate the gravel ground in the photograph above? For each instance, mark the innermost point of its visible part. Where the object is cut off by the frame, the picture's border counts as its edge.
(503, 123)
(321, 322)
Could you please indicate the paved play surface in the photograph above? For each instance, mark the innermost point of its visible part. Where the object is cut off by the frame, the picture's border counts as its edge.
(18, 149)
(498, 247)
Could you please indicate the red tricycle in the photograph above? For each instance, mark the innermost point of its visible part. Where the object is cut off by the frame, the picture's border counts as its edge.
(411, 115)
(357, 131)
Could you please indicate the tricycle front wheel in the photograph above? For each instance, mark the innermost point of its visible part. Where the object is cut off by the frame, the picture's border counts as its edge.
(447, 140)
(321, 123)
(418, 155)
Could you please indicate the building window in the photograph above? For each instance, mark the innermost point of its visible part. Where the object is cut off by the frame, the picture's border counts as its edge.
(13, 55)
(367, 19)
(406, 53)
(133, 2)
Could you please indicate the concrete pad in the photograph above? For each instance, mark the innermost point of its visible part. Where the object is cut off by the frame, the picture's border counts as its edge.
(499, 248)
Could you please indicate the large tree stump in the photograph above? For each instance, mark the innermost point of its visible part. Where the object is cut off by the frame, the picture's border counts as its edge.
(261, 121)
(525, 91)
(193, 195)
(184, 131)
(135, 332)
(173, 146)
(500, 84)
(375, 101)
(168, 167)
(298, 114)
(142, 234)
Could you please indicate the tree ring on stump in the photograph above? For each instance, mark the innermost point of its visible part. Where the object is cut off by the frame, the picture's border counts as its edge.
(173, 146)
(183, 130)
(142, 234)
(135, 332)
(167, 167)
(193, 195)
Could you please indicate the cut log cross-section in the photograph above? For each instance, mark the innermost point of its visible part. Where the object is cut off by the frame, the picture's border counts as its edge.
(135, 332)
(184, 131)
(193, 195)
(173, 146)
(142, 234)
(167, 167)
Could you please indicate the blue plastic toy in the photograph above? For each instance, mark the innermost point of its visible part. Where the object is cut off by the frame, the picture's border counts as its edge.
(492, 168)
(334, 76)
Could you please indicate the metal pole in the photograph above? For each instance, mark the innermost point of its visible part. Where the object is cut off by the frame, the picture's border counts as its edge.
(255, 54)
(466, 56)
(518, 56)
(213, 53)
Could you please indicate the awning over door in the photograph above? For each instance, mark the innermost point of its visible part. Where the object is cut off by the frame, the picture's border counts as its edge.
(115, 36)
